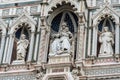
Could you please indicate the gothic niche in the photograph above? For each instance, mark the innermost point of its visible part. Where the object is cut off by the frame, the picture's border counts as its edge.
(63, 31)
(21, 43)
(106, 41)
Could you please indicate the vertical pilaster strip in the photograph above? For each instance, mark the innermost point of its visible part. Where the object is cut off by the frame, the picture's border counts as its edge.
(80, 42)
(47, 39)
(42, 45)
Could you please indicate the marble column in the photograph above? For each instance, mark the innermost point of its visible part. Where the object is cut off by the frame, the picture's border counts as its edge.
(6, 49)
(37, 42)
(89, 42)
(85, 42)
(2, 47)
(117, 42)
(93, 42)
(10, 48)
(30, 54)
(96, 37)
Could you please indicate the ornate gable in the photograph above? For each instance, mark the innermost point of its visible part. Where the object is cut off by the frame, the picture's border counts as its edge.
(24, 18)
(105, 10)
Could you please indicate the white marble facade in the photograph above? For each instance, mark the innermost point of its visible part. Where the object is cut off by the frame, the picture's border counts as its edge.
(59, 39)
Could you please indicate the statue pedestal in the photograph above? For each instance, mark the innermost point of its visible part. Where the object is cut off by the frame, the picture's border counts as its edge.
(63, 58)
(59, 65)
(105, 55)
(18, 62)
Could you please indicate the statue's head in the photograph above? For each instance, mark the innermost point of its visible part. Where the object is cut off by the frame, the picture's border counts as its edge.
(22, 36)
(106, 29)
(64, 24)
(66, 29)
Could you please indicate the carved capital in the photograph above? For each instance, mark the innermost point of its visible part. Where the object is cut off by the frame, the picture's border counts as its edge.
(81, 16)
(43, 20)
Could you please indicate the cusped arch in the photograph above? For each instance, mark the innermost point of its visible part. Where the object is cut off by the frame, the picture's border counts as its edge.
(99, 18)
(60, 6)
(57, 3)
(24, 18)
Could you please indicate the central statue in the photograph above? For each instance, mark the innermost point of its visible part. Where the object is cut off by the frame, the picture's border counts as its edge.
(62, 40)
(65, 38)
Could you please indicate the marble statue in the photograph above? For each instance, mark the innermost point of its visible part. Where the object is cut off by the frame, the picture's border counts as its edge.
(55, 46)
(65, 39)
(62, 41)
(22, 45)
(106, 39)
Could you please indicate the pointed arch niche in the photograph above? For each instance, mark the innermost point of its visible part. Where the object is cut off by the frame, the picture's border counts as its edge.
(23, 25)
(24, 28)
(110, 21)
(64, 12)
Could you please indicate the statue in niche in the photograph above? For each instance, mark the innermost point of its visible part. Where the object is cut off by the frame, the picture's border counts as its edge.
(22, 45)
(107, 40)
(66, 37)
(62, 41)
